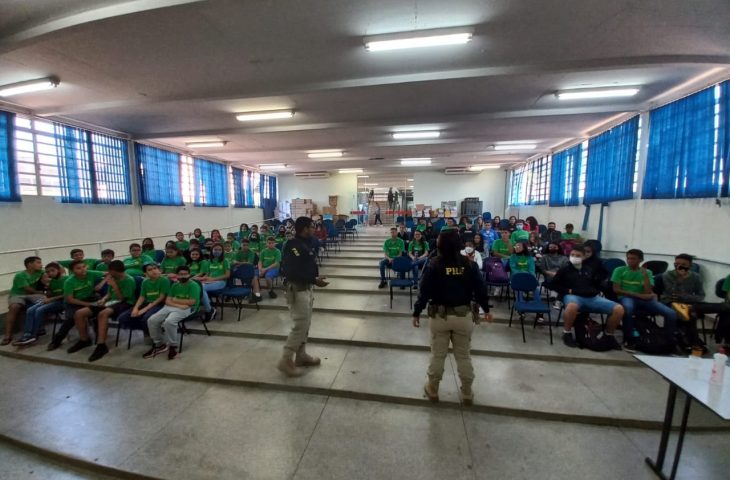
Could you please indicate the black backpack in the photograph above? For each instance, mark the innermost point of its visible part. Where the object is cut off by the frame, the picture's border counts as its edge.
(588, 334)
(653, 339)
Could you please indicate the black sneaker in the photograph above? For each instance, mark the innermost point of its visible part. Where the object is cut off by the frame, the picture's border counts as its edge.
(29, 340)
(272, 294)
(630, 346)
(155, 350)
(255, 298)
(55, 343)
(100, 350)
(383, 284)
(569, 341)
(171, 353)
(78, 346)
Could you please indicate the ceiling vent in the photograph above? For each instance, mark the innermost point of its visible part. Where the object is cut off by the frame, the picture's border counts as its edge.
(311, 175)
(460, 171)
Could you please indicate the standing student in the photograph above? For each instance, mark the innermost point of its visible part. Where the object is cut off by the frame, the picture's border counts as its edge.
(151, 299)
(51, 304)
(182, 301)
(418, 251)
(392, 248)
(107, 256)
(172, 260)
(136, 261)
(180, 242)
(25, 291)
(269, 262)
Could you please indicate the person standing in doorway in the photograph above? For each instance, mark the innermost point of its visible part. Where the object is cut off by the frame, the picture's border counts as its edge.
(390, 198)
(377, 215)
(372, 195)
(300, 269)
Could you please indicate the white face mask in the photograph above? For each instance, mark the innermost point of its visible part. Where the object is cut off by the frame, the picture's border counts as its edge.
(576, 261)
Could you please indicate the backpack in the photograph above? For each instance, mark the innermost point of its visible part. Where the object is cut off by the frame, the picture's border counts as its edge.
(588, 334)
(495, 271)
(653, 339)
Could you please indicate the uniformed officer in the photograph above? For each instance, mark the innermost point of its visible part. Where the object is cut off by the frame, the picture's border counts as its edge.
(450, 282)
(300, 269)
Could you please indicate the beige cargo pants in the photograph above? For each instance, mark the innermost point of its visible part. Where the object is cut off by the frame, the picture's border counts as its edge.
(300, 309)
(456, 330)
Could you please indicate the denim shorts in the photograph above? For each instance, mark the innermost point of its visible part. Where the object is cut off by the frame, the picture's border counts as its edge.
(595, 304)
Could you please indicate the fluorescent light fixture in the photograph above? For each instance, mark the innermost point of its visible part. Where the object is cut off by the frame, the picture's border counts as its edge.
(415, 162)
(325, 154)
(363, 176)
(416, 40)
(370, 184)
(409, 179)
(211, 144)
(479, 168)
(588, 93)
(275, 166)
(350, 170)
(416, 135)
(29, 86)
(264, 115)
(511, 147)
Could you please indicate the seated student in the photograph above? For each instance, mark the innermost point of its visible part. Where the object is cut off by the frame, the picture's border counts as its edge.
(502, 248)
(722, 330)
(136, 261)
(172, 260)
(404, 235)
(235, 244)
(269, 262)
(512, 225)
(148, 247)
(51, 304)
(182, 301)
(521, 260)
(682, 285)
(80, 290)
(633, 286)
(198, 265)
(216, 236)
(264, 234)
(496, 223)
(519, 234)
(534, 245)
(418, 251)
(473, 254)
(228, 252)
(569, 235)
(320, 232)
(194, 245)
(107, 256)
(281, 235)
(243, 231)
(254, 229)
(180, 242)
(254, 242)
(25, 291)
(489, 235)
(78, 254)
(421, 227)
(218, 272)
(479, 243)
(246, 256)
(118, 299)
(551, 235)
(553, 261)
(392, 248)
(152, 294)
(580, 291)
(532, 225)
(198, 235)
(451, 222)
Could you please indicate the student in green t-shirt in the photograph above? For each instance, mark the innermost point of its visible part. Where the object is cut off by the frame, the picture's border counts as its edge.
(520, 234)
(521, 260)
(502, 247)
(182, 301)
(198, 235)
(246, 256)
(198, 265)
(235, 244)
(392, 248)
(218, 272)
(633, 286)
(152, 294)
(281, 235)
(136, 261)
(228, 252)
(269, 262)
(243, 231)
(107, 256)
(254, 242)
(78, 254)
(52, 303)
(172, 260)
(25, 291)
(569, 235)
(180, 242)
(418, 251)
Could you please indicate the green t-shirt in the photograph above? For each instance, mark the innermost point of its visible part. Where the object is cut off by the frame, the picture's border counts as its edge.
(280, 238)
(417, 248)
(270, 256)
(169, 265)
(569, 236)
(135, 266)
(183, 245)
(248, 256)
(24, 279)
(199, 268)
(82, 288)
(242, 234)
(521, 262)
(519, 236)
(152, 289)
(235, 245)
(127, 286)
(501, 247)
(726, 288)
(393, 247)
(101, 267)
(421, 228)
(630, 280)
(229, 256)
(55, 288)
(255, 246)
(90, 263)
(218, 269)
(200, 239)
(186, 291)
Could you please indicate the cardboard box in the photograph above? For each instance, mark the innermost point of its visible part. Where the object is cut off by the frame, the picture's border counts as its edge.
(329, 210)
(333, 200)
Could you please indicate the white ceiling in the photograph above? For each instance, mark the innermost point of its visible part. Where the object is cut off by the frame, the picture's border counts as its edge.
(176, 71)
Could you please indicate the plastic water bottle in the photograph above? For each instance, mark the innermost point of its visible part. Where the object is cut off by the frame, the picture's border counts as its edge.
(718, 369)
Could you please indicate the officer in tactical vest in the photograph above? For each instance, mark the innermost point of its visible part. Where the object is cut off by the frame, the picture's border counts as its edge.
(300, 269)
(455, 289)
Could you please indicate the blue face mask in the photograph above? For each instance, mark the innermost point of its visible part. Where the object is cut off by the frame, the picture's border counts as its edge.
(520, 226)
(216, 253)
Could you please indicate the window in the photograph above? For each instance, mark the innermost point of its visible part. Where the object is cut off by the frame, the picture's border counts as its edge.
(8, 178)
(529, 185)
(159, 176)
(238, 197)
(211, 183)
(111, 169)
(566, 174)
(518, 190)
(187, 179)
(683, 160)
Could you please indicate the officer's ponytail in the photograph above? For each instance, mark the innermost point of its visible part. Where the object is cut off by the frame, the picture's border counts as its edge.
(449, 248)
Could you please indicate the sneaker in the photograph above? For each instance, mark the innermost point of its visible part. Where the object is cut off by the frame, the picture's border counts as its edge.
(25, 340)
(212, 314)
(255, 298)
(55, 343)
(569, 341)
(155, 350)
(100, 350)
(272, 294)
(171, 353)
(630, 346)
(383, 284)
(78, 346)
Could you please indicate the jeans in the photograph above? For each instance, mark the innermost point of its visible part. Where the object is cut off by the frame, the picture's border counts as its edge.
(591, 304)
(126, 320)
(35, 315)
(652, 307)
(169, 317)
(386, 262)
(417, 265)
(205, 300)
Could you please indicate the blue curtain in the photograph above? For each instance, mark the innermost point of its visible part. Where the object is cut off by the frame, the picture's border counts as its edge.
(517, 196)
(238, 191)
(211, 183)
(9, 191)
(538, 181)
(724, 136)
(159, 176)
(681, 161)
(110, 163)
(267, 190)
(74, 166)
(565, 177)
(248, 186)
(611, 164)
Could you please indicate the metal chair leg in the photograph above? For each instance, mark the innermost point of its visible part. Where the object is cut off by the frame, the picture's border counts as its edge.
(522, 324)
(550, 327)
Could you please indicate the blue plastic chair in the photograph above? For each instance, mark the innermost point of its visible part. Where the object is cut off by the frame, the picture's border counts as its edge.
(159, 256)
(403, 266)
(399, 219)
(350, 228)
(133, 324)
(237, 293)
(487, 216)
(611, 264)
(182, 324)
(410, 223)
(523, 283)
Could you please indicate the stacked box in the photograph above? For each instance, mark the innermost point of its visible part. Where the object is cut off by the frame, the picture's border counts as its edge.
(333, 201)
(302, 207)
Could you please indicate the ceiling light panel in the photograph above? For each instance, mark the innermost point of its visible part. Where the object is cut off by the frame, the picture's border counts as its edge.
(29, 86)
(415, 162)
(211, 144)
(350, 170)
(264, 115)
(592, 93)
(416, 135)
(418, 39)
(325, 154)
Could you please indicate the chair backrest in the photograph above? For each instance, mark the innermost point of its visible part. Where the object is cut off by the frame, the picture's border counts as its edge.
(409, 223)
(611, 264)
(657, 267)
(542, 229)
(159, 256)
(523, 282)
(718, 288)
(138, 286)
(487, 216)
(402, 265)
(340, 224)
(658, 285)
(695, 268)
(244, 273)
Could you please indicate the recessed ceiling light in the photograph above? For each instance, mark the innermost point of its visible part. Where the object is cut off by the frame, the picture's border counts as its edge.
(416, 135)
(479, 168)
(264, 115)
(29, 86)
(409, 179)
(325, 154)
(415, 162)
(275, 166)
(350, 170)
(511, 147)
(587, 93)
(363, 176)
(432, 38)
(370, 184)
(212, 144)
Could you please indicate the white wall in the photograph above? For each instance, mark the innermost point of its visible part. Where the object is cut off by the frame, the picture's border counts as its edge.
(344, 185)
(38, 223)
(431, 188)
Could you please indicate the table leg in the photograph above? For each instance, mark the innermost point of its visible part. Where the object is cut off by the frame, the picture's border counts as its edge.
(680, 440)
(666, 428)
